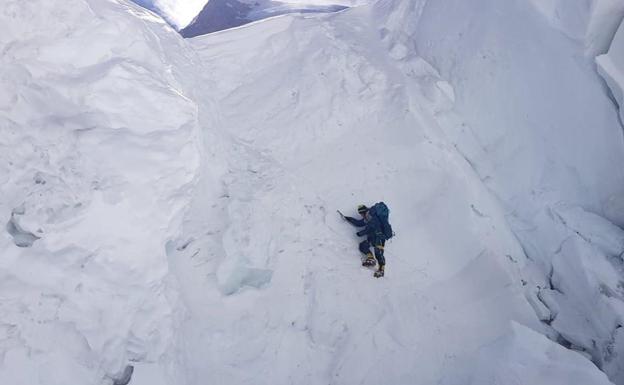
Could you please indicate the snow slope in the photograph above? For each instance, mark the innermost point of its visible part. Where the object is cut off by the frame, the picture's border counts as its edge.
(331, 101)
(170, 204)
(545, 146)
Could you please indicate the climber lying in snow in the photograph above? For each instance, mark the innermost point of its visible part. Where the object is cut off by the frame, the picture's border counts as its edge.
(377, 230)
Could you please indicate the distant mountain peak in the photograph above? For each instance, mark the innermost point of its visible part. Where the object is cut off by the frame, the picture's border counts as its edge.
(218, 15)
(178, 13)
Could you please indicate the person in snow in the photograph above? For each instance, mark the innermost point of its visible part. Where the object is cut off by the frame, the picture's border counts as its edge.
(373, 230)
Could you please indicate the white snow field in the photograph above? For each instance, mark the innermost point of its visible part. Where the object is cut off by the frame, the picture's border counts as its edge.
(170, 204)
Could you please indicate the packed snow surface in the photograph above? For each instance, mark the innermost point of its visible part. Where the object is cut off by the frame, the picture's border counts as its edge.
(170, 204)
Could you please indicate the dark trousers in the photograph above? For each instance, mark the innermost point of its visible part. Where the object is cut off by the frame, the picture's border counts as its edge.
(379, 250)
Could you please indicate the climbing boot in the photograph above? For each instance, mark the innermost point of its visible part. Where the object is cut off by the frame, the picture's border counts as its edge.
(369, 261)
(380, 273)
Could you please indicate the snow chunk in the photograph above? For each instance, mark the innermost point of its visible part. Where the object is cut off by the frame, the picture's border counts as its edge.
(234, 276)
(21, 237)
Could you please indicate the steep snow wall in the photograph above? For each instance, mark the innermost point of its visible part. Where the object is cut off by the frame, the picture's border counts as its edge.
(611, 67)
(527, 114)
(591, 22)
(530, 114)
(98, 149)
(341, 110)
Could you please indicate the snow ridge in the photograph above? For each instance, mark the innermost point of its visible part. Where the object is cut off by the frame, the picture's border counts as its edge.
(96, 174)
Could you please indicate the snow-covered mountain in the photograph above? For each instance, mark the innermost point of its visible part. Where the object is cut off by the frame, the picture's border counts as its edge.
(199, 17)
(218, 15)
(179, 13)
(170, 203)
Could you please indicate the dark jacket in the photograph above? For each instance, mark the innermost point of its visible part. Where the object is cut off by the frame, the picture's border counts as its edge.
(372, 227)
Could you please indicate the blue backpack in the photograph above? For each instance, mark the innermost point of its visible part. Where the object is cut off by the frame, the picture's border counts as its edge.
(381, 211)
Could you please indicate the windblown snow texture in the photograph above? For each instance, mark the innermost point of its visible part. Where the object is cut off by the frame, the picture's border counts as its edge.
(169, 204)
